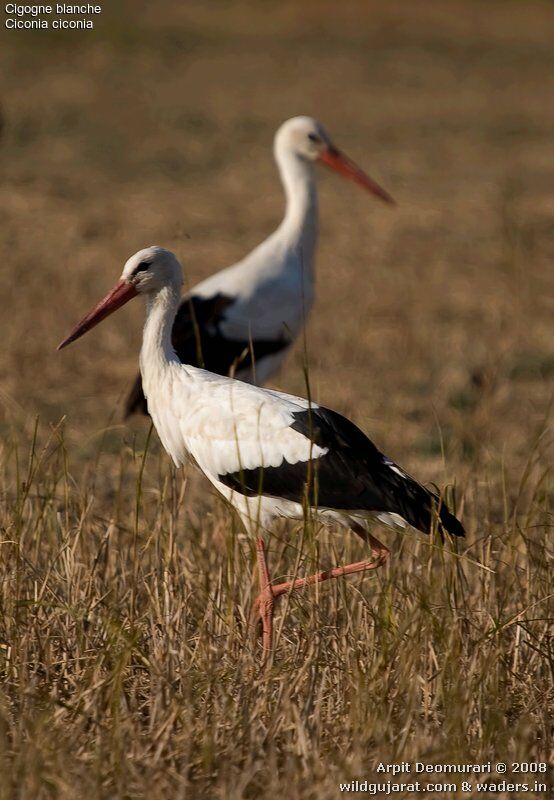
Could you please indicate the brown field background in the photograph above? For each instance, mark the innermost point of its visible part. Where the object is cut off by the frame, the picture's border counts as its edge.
(122, 650)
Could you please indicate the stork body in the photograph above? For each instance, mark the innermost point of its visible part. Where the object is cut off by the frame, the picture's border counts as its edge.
(270, 454)
(244, 319)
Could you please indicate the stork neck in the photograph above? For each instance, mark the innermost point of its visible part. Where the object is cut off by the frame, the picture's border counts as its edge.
(300, 224)
(161, 308)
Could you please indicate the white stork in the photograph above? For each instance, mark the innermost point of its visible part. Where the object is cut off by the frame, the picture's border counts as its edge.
(269, 454)
(244, 319)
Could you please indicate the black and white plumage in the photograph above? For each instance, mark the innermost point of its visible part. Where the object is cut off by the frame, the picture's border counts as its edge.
(270, 454)
(199, 339)
(348, 475)
(244, 319)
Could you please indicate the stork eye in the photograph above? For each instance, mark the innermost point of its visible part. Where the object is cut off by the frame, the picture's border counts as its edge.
(142, 267)
(313, 137)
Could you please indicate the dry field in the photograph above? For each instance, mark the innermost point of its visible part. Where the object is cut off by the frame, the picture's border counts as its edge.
(124, 586)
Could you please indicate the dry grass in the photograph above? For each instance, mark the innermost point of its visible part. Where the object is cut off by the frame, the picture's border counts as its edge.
(125, 668)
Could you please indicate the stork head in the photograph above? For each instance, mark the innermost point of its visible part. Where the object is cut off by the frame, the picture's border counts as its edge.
(151, 269)
(147, 272)
(307, 139)
(303, 136)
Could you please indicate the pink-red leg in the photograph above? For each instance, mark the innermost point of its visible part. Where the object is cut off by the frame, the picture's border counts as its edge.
(264, 606)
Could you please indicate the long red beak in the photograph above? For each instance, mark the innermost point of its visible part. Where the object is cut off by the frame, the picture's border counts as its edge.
(337, 161)
(121, 293)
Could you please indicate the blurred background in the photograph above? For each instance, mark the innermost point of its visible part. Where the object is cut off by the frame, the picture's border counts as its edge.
(431, 326)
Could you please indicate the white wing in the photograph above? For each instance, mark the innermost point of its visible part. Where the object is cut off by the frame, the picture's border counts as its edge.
(228, 425)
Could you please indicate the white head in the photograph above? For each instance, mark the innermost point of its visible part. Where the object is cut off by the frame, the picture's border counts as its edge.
(304, 140)
(151, 269)
(304, 137)
(147, 272)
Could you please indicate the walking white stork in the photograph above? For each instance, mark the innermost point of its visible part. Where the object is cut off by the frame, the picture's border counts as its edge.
(270, 454)
(245, 318)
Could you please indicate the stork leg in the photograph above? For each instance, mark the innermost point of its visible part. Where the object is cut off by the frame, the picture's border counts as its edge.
(264, 605)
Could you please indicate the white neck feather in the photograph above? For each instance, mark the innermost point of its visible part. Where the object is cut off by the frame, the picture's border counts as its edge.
(166, 382)
(157, 351)
(300, 224)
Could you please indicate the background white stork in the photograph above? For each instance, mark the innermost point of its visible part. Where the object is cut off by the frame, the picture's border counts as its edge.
(245, 318)
(270, 454)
